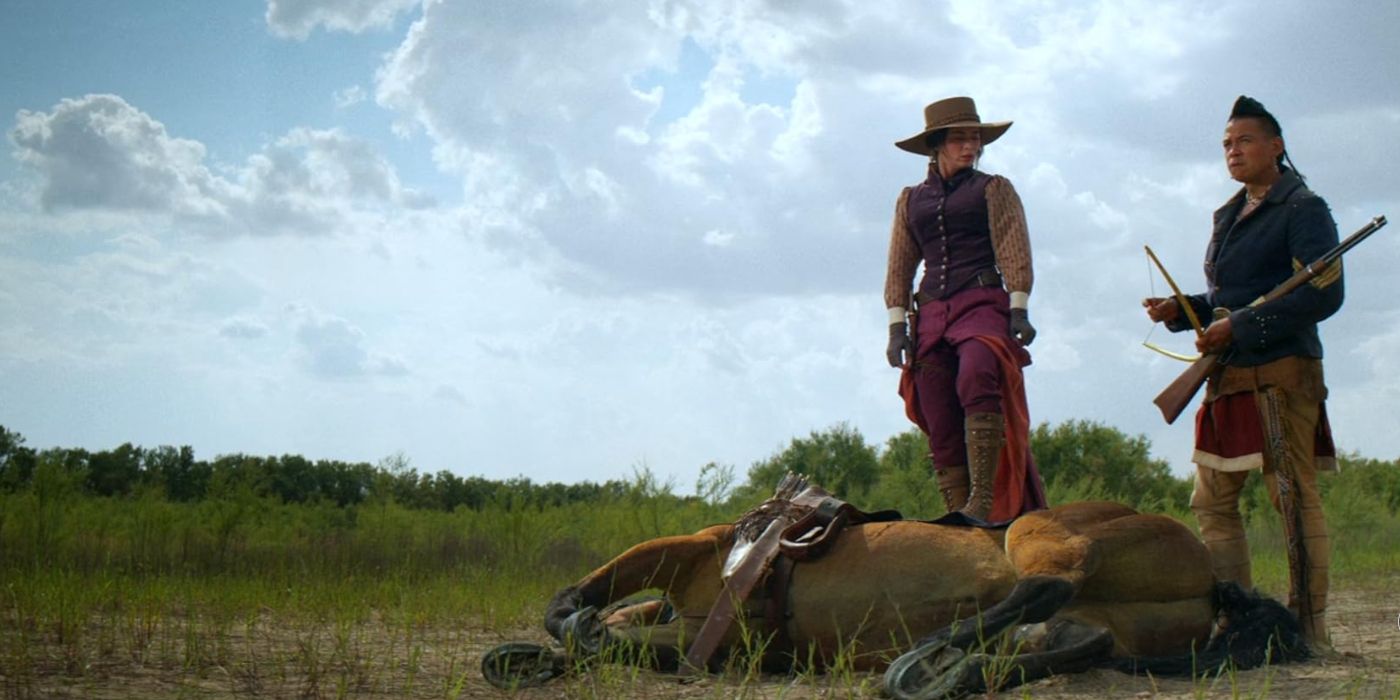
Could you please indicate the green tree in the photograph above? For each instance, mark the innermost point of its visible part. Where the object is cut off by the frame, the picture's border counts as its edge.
(114, 472)
(176, 470)
(906, 477)
(838, 459)
(292, 479)
(17, 462)
(1378, 478)
(715, 484)
(1102, 459)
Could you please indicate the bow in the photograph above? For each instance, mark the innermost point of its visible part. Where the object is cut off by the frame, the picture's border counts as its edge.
(1182, 302)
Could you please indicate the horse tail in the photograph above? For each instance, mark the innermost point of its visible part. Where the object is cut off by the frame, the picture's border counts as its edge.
(1251, 630)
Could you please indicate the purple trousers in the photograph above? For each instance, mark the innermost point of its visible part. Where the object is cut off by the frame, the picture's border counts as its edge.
(956, 375)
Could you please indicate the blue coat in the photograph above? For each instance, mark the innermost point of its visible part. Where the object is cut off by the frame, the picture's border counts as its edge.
(1246, 259)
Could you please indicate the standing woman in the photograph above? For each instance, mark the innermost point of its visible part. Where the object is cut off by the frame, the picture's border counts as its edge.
(962, 381)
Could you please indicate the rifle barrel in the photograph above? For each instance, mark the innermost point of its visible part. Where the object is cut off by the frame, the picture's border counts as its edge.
(1353, 239)
(1173, 400)
(1316, 267)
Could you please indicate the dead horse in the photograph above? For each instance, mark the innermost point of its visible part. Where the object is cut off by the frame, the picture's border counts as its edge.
(1082, 585)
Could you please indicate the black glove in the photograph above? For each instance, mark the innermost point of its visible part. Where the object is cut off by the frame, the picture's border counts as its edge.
(1021, 328)
(901, 348)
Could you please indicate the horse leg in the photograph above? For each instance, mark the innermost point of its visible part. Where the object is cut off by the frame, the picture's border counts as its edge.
(642, 633)
(1051, 561)
(1038, 651)
(647, 633)
(939, 660)
(662, 563)
(1057, 646)
(1033, 599)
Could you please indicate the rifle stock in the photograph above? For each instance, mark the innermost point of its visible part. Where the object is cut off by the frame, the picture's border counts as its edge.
(1173, 399)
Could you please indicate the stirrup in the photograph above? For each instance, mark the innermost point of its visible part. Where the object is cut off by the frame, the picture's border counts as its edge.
(520, 665)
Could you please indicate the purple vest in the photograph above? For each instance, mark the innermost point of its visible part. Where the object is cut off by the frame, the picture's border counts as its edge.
(950, 224)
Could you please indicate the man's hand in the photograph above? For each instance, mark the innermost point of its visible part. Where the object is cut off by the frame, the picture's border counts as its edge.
(900, 349)
(1162, 309)
(1217, 337)
(1021, 328)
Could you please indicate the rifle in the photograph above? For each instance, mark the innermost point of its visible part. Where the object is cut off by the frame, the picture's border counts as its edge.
(1173, 400)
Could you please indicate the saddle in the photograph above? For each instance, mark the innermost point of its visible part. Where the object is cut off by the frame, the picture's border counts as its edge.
(798, 524)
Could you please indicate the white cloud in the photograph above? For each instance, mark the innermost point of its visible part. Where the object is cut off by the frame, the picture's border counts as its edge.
(243, 329)
(316, 182)
(333, 348)
(99, 153)
(298, 18)
(91, 303)
(654, 260)
(512, 122)
(350, 96)
(1117, 109)
(718, 238)
(450, 394)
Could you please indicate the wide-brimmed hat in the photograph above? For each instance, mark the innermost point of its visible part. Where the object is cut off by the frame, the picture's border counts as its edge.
(947, 114)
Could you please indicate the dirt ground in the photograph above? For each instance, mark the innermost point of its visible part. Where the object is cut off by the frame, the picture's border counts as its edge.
(1365, 632)
(375, 661)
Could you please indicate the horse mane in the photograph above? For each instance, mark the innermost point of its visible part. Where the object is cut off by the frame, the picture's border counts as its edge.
(752, 524)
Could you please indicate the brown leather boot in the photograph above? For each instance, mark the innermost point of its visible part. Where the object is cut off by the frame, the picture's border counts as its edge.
(985, 433)
(952, 483)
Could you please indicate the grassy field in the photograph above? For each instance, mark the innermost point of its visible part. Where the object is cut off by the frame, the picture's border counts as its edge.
(242, 596)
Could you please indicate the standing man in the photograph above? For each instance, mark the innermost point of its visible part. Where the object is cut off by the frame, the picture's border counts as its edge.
(1265, 408)
(962, 380)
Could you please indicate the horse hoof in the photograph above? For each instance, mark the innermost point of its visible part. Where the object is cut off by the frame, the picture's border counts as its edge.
(583, 633)
(519, 665)
(932, 672)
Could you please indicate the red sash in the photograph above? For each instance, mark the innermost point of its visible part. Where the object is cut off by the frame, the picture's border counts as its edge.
(1230, 435)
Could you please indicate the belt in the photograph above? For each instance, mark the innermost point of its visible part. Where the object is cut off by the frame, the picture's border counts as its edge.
(985, 278)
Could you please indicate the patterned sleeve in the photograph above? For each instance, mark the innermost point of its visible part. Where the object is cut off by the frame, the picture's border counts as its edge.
(1010, 240)
(904, 260)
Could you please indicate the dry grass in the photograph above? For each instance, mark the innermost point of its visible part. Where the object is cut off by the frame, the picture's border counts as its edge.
(200, 652)
(144, 599)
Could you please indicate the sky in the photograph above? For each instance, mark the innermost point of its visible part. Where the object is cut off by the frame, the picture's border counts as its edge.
(571, 240)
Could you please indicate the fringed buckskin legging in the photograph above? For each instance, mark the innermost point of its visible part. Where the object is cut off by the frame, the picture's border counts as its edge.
(1290, 424)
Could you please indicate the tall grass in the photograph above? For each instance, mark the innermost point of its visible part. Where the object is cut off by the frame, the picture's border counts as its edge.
(290, 599)
(252, 596)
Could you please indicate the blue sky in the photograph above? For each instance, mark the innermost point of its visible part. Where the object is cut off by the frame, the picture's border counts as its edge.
(565, 240)
(215, 70)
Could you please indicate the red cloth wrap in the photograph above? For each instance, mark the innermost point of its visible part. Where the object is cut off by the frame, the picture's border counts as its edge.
(1017, 488)
(1230, 428)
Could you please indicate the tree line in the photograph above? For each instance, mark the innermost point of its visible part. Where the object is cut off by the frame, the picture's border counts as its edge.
(1077, 459)
(175, 473)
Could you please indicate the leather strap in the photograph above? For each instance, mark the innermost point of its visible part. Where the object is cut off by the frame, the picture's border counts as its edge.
(735, 593)
(803, 539)
(776, 612)
(812, 535)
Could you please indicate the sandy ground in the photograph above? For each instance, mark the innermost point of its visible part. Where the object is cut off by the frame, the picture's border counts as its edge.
(1367, 665)
(375, 660)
